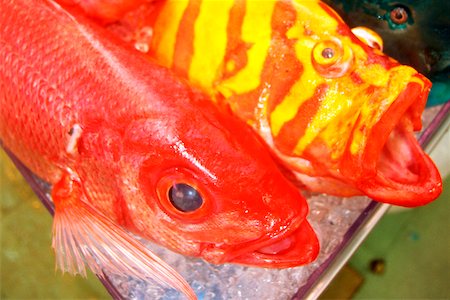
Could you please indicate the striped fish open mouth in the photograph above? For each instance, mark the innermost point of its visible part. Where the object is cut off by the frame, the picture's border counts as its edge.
(405, 174)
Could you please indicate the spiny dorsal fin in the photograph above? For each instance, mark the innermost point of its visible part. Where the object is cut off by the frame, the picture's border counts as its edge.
(82, 235)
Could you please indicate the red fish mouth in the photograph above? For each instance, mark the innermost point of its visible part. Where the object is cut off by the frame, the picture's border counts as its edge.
(405, 175)
(296, 245)
(297, 248)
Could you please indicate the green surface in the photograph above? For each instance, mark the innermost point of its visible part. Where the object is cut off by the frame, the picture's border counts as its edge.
(415, 247)
(27, 261)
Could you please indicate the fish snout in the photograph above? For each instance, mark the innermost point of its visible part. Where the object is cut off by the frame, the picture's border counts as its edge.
(290, 244)
(285, 237)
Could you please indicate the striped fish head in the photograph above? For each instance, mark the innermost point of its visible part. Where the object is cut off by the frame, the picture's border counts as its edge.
(336, 111)
(353, 110)
(209, 188)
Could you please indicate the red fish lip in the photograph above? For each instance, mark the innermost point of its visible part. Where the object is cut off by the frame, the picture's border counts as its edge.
(289, 250)
(405, 175)
(295, 245)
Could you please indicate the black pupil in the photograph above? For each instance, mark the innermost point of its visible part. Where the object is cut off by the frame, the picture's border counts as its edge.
(327, 53)
(184, 197)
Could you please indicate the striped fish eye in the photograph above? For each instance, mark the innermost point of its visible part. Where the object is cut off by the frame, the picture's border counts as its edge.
(331, 59)
(326, 52)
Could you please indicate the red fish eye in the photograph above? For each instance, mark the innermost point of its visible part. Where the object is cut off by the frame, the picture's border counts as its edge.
(399, 15)
(184, 197)
(180, 195)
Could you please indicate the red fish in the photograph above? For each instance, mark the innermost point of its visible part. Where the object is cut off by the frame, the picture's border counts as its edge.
(104, 10)
(128, 146)
(337, 112)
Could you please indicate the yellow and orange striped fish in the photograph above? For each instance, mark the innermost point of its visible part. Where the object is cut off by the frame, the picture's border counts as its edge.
(334, 109)
(337, 112)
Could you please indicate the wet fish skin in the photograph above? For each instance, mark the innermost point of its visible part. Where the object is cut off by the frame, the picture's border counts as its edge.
(113, 132)
(336, 111)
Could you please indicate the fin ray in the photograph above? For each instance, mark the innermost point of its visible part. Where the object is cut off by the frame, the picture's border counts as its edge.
(82, 235)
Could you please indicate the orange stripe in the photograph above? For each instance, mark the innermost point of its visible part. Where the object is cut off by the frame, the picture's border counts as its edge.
(184, 45)
(293, 130)
(278, 75)
(282, 68)
(236, 51)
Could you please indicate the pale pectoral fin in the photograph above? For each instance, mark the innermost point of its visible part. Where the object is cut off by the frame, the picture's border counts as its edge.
(82, 235)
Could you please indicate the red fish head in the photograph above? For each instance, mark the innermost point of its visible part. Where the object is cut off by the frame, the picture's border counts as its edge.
(211, 189)
(356, 111)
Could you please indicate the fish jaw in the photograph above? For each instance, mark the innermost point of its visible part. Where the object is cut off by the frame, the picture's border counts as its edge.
(393, 168)
(290, 250)
(295, 246)
(407, 180)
